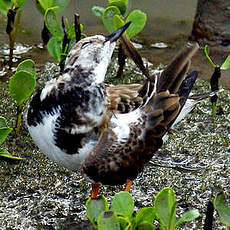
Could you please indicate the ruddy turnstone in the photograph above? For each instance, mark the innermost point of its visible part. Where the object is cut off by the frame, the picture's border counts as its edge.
(75, 121)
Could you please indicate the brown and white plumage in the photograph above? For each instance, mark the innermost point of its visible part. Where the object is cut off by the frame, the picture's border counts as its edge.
(132, 138)
(108, 132)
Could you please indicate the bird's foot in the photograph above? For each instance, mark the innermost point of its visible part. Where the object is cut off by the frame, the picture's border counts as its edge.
(128, 185)
(95, 190)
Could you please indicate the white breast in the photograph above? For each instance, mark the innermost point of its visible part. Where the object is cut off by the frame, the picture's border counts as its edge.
(43, 136)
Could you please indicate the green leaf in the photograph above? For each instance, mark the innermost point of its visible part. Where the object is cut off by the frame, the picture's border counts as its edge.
(138, 19)
(3, 122)
(188, 216)
(120, 5)
(226, 64)
(21, 3)
(95, 207)
(124, 222)
(5, 153)
(98, 11)
(61, 4)
(52, 23)
(5, 6)
(4, 132)
(83, 35)
(164, 206)
(71, 32)
(146, 214)
(206, 52)
(54, 47)
(118, 21)
(41, 8)
(145, 226)
(21, 86)
(222, 209)
(107, 17)
(27, 65)
(123, 203)
(125, 1)
(45, 4)
(172, 217)
(71, 44)
(108, 221)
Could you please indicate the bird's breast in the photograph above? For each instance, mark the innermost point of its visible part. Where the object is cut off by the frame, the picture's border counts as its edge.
(65, 149)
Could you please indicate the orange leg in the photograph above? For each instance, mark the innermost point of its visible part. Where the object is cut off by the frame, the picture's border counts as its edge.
(128, 185)
(95, 190)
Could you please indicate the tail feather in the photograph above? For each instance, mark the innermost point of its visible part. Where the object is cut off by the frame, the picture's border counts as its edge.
(184, 92)
(172, 77)
(200, 97)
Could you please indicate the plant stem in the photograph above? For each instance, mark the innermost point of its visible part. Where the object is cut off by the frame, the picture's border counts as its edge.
(77, 27)
(209, 216)
(14, 16)
(19, 119)
(45, 34)
(214, 82)
(213, 109)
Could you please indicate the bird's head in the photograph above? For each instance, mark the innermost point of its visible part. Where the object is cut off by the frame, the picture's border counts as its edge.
(93, 54)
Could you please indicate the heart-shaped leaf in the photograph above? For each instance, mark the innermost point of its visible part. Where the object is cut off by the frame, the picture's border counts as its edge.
(52, 23)
(146, 214)
(222, 208)
(21, 86)
(54, 47)
(94, 207)
(108, 221)
(165, 203)
(138, 19)
(61, 5)
(123, 203)
(120, 5)
(107, 17)
(98, 11)
(27, 65)
(4, 132)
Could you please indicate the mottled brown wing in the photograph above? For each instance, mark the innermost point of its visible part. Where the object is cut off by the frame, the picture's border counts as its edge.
(125, 98)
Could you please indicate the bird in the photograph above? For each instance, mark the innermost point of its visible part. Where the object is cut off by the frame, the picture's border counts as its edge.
(106, 132)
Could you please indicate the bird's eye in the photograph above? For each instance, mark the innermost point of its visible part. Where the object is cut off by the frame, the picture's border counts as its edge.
(85, 44)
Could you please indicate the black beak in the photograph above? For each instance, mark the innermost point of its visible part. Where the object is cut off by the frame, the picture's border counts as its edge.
(117, 33)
